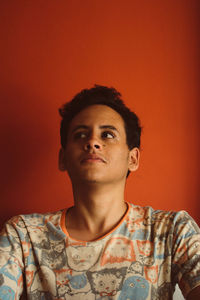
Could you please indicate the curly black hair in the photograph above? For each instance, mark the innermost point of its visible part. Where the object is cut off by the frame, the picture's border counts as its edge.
(105, 96)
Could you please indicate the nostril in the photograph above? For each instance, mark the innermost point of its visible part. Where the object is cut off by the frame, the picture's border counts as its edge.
(97, 146)
(88, 146)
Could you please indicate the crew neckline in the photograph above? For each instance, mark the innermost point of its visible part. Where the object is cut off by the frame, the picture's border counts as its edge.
(64, 229)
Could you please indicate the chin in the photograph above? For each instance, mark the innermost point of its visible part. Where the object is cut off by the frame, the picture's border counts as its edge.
(86, 177)
(92, 179)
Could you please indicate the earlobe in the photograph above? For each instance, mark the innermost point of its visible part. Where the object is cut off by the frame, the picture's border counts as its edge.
(134, 156)
(61, 160)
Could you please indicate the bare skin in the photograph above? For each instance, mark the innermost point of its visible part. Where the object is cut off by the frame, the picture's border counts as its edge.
(95, 214)
(97, 159)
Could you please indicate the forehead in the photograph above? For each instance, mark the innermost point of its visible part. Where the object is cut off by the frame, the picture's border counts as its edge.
(98, 114)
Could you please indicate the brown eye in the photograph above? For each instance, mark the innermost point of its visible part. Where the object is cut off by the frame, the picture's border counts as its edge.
(80, 135)
(108, 135)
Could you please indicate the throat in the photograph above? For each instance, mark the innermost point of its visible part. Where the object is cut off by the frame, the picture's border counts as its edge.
(90, 228)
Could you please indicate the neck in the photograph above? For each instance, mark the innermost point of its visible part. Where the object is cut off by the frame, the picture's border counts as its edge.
(96, 211)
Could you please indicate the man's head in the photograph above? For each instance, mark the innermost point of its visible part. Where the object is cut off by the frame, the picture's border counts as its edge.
(104, 96)
(100, 95)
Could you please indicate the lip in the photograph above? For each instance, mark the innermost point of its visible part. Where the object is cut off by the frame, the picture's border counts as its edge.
(92, 158)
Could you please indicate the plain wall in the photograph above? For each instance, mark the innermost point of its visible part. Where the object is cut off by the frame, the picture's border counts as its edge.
(148, 50)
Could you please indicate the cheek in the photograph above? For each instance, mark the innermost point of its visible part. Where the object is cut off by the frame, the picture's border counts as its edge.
(120, 156)
(71, 154)
(69, 160)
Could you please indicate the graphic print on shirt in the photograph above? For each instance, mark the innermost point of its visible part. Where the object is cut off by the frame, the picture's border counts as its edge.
(52, 260)
(7, 293)
(5, 243)
(147, 260)
(138, 214)
(161, 250)
(118, 250)
(78, 283)
(82, 258)
(182, 254)
(134, 287)
(1, 279)
(44, 281)
(57, 247)
(10, 277)
(161, 222)
(7, 290)
(55, 257)
(135, 221)
(165, 272)
(151, 273)
(26, 248)
(163, 292)
(81, 296)
(30, 271)
(107, 282)
(35, 220)
(133, 225)
(62, 281)
(136, 268)
(19, 221)
(9, 268)
(39, 238)
(145, 248)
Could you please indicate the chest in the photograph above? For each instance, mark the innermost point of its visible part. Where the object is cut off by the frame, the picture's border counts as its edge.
(116, 269)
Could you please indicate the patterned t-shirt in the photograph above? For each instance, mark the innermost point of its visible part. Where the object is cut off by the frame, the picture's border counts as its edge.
(142, 258)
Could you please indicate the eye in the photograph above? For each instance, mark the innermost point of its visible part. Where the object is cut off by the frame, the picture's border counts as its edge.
(80, 135)
(108, 135)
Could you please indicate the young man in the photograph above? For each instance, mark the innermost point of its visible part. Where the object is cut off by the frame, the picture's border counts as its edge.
(102, 247)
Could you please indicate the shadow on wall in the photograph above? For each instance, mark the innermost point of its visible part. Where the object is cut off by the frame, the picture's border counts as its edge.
(24, 139)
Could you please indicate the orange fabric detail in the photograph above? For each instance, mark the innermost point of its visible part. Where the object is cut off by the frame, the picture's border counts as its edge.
(113, 251)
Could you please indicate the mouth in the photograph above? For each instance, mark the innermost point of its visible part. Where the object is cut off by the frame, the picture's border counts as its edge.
(92, 158)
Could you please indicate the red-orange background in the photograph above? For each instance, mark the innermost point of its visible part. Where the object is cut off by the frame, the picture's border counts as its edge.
(148, 50)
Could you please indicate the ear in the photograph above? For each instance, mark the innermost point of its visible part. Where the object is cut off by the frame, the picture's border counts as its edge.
(61, 160)
(134, 156)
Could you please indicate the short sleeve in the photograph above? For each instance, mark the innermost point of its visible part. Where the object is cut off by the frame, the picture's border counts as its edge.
(186, 253)
(11, 263)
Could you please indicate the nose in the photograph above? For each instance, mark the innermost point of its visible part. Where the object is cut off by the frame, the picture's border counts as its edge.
(92, 143)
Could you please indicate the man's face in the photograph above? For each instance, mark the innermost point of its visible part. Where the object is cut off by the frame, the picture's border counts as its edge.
(96, 149)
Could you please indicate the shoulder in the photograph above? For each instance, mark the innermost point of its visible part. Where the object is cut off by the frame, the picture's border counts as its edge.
(163, 220)
(24, 222)
(151, 215)
(26, 230)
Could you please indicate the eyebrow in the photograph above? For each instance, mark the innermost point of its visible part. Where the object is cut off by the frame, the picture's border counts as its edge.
(101, 127)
